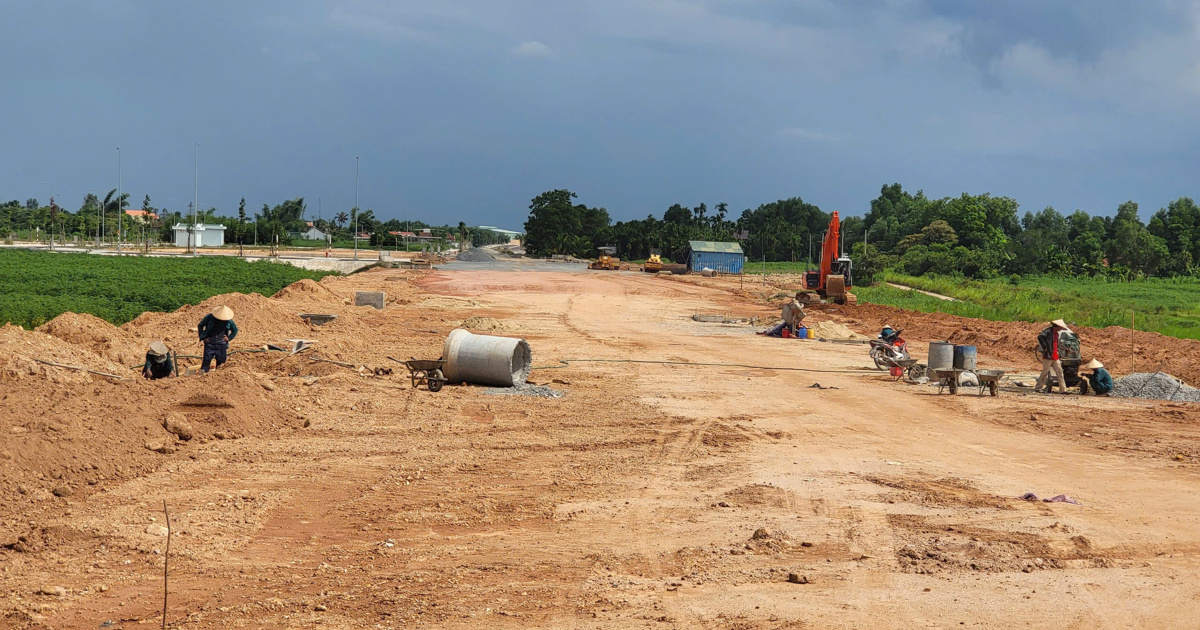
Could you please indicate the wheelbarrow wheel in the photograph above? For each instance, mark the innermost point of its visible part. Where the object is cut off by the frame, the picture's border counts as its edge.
(916, 372)
(436, 380)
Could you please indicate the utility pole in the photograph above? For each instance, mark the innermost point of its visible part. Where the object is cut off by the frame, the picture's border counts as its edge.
(195, 201)
(356, 210)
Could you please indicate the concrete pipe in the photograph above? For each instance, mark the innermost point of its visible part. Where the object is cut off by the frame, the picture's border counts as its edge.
(486, 360)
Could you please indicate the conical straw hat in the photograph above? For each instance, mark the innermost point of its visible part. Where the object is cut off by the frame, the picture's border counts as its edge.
(1060, 323)
(223, 313)
(1094, 365)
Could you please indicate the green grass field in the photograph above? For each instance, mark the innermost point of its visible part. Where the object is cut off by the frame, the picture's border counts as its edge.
(756, 267)
(35, 287)
(1170, 306)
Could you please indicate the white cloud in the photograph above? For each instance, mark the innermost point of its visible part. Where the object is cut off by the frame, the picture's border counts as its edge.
(532, 50)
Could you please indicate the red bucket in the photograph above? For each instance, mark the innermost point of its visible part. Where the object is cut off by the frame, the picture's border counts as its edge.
(786, 333)
(896, 370)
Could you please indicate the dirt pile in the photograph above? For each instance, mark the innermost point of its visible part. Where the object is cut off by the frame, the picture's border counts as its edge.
(305, 289)
(486, 324)
(21, 349)
(1014, 342)
(260, 320)
(89, 331)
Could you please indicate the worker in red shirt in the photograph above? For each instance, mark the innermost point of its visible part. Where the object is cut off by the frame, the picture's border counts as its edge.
(1048, 348)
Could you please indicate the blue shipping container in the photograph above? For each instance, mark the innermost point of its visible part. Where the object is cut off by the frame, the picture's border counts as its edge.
(720, 257)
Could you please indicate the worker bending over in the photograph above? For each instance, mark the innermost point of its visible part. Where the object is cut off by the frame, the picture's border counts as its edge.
(216, 330)
(1048, 348)
(1099, 379)
(160, 362)
(793, 314)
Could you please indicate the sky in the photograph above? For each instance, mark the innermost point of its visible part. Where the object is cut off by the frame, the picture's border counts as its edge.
(464, 110)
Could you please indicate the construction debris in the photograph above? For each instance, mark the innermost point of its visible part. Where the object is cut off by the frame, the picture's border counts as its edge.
(1154, 386)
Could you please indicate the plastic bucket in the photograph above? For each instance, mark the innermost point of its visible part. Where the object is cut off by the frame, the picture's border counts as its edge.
(802, 333)
(787, 332)
(812, 334)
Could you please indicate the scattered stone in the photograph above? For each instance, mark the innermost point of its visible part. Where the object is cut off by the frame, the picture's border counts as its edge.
(18, 430)
(724, 504)
(761, 534)
(806, 544)
(796, 578)
(56, 591)
(6, 455)
(62, 491)
(307, 423)
(22, 488)
(526, 389)
(156, 530)
(320, 608)
(177, 423)
(159, 447)
(1154, 386)
(268, 385)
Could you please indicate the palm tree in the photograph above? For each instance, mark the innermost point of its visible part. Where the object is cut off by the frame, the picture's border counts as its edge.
(341, 219)
(463, 232)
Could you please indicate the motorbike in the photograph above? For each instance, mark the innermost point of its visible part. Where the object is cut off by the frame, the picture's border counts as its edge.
(888, 348)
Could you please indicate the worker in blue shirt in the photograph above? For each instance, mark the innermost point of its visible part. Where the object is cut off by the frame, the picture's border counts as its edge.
(216, 330)
(1099, 379)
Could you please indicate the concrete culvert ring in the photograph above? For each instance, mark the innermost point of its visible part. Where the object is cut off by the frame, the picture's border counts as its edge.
(486, 360)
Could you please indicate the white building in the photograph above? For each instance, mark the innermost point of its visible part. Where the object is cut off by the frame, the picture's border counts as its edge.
(203, 235)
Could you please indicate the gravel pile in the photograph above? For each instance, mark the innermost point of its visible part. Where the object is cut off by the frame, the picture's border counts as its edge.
(476, 255)
(534, 391)
(1154, 386)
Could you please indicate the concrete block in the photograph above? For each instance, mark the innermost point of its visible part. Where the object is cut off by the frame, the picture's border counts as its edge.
(369, 298)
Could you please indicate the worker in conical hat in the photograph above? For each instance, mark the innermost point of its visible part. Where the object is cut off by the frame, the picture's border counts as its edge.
(793, 313)
(160, 362)
(1099, 379)
(1048, 349)
(216, 330)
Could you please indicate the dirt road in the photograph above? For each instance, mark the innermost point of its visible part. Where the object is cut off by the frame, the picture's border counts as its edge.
(665, 496)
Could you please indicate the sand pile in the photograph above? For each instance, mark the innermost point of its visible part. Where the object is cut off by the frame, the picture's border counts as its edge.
(486, 324)
(260, 320)
(101, 337)
(832, 330)
(1154, 386)
(19, 348)
(305, 289)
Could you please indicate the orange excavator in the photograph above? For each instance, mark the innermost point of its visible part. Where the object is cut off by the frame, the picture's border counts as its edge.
(833, 280)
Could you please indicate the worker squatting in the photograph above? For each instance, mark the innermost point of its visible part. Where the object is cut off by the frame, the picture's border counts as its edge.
(215, 332)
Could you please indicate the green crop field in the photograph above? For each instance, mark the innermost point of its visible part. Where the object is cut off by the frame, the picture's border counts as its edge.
(1170, 306)
(37, 286)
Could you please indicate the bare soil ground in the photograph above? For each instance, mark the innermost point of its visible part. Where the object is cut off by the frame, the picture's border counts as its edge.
(312, 495)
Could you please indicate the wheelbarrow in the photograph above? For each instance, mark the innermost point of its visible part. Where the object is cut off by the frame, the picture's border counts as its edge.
(900, 368)
(989, 380)
(425, 372)
(947, 378)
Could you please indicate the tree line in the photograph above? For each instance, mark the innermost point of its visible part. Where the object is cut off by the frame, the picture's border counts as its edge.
(284, 223)
(972, 235)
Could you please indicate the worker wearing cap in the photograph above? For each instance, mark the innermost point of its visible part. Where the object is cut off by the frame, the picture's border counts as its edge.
(160, 362)
(1048, 346)
(216, 330)
(1099, 379)
(793, 313)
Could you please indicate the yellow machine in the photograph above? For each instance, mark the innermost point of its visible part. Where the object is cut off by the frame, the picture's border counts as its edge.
(654, 263)
(607, 261)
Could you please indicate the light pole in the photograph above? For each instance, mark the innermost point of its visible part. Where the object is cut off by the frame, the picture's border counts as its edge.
(356, 211)
(120, 211)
